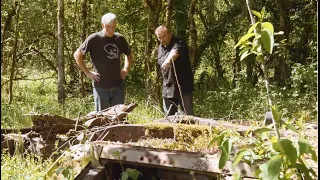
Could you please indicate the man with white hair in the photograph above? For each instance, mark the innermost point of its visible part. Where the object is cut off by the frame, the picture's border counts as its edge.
(105, 48)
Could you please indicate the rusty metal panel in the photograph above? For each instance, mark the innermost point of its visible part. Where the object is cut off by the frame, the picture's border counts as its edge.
(168, 158)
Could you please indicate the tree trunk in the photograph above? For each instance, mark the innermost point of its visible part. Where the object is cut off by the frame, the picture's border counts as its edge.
(217, 63)
(4, 29)
(14, 55)
(193, 34)
(282, 69)
(61, 73)
(181, 19)
(169, 13)
(236, 65)
(152, 87)
(84, 7)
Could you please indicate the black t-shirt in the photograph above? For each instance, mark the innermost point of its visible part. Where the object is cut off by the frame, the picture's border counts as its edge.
(105, 55)
(182, 66)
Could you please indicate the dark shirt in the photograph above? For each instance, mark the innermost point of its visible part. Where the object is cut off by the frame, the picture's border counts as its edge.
(182, 67)
(105, 55)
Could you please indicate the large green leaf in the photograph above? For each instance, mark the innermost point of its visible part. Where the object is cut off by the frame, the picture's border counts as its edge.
(244, 38)
(225, 148)
(291, 127)
(304, 171)
(239, 156)
(274, 167)
(223, 158)
(267, 25)
(305, 148)
(267, 40)
(289, 150)
(261, 130)
(253, 27)
(277, 146)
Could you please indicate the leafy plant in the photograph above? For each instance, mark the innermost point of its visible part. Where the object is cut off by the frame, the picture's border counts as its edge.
(128, 173)
(286, 157)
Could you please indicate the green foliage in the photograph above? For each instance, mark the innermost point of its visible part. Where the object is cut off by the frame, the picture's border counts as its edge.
(21, 167)
(130, 173)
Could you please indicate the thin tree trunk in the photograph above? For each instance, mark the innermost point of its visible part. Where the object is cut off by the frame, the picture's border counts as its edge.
(4, 29)
(236, 65)
(83, 38)
(169, 13)
(61, 73)
(193, 34)
(152, 83)
(14, 55)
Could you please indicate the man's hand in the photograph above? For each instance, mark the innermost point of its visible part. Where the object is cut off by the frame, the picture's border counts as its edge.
(166, 64)
(123, 74)
(93, 75)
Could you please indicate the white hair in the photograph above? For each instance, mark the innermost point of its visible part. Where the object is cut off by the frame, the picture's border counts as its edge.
(108, 18)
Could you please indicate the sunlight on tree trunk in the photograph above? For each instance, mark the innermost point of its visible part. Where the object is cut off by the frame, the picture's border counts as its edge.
(61, 73)
(14, 54)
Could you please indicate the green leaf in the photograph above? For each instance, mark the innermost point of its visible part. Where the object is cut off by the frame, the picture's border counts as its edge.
(256, 13)
(124, 175)
(276, 146)
(304, 170)
(268, 25)
(289, 150)
(244, 38)
(262, 12)
(305, 148)
(225, 148)
(261, 130)
(264, 171)
(276, 114)
(133, 173)
(236, 176)
(291, 127)
(274, 167)
(239, 156)
(244, 55)
(223, 158)
(253, 27)
(267, 40)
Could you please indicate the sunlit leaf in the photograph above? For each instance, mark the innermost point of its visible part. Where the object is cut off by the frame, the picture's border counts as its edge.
(289, 150)
(274, 167)
(244, 55)
(256, 13)
(244, 38)
(276, 146)
(261, 130)
(267, 40)
(253, 27)
(278, 33)
(239, 156)
(268, 25)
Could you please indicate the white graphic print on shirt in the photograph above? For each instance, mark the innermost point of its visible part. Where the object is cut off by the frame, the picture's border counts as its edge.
(112, 51)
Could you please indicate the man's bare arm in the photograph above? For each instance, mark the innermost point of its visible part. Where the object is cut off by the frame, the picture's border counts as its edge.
(127, 65)
(173, 55)
(79, 57)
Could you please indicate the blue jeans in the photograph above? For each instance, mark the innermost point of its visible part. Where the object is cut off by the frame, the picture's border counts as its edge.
(170, 105)
(104, 98)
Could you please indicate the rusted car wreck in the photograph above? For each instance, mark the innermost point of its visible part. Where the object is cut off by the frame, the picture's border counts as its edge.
(100, 145)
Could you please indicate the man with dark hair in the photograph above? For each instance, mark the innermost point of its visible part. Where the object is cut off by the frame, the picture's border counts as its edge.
(105, 48)
(174, 62)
